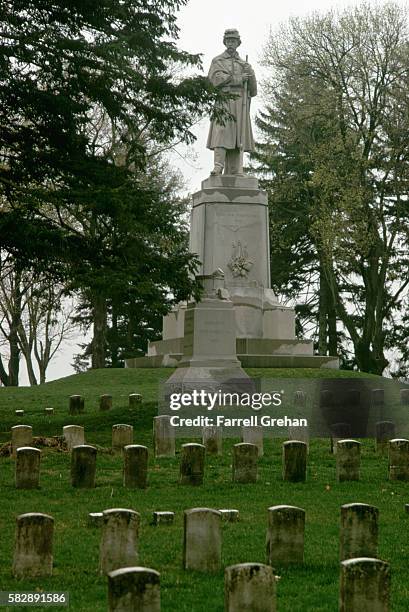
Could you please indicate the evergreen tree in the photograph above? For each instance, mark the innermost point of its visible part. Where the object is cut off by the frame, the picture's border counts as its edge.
(67, 208)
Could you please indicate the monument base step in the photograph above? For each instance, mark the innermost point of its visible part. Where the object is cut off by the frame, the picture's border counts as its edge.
(247, 361)
(244, 346)
(289, 361)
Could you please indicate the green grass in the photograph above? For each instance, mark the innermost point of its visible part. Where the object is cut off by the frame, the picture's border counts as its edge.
(313, 586)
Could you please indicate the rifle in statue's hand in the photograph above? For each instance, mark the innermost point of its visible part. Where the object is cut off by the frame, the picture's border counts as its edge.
(244, 112)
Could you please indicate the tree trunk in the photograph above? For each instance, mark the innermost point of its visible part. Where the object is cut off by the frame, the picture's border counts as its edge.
(4, 377)
(42, 370)
(370, 360)
(26, 347)
(323, 315)
(332, 328)
(30, 371)
(113, 345)
(14, 361)
(14, 345)
(99, 316)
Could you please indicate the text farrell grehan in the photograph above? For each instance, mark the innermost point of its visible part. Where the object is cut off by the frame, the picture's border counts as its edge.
(223, 421)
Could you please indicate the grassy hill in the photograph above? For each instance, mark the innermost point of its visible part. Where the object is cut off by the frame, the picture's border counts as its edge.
(311, 587)
(117, 382)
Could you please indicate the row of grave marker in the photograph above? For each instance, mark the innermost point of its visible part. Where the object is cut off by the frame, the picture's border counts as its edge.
(365, 579)
(192, 463)
(135, 471)
(76, 403)
(364, 586)
(212, 437)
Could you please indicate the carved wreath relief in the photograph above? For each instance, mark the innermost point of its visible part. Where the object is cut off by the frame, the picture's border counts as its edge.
(240, 264)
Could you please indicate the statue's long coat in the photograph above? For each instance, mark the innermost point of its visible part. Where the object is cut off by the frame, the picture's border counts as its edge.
(226, 72)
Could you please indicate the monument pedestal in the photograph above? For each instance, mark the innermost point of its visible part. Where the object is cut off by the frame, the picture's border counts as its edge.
(230, 232)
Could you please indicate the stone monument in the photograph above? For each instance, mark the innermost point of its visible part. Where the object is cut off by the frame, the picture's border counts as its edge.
(229, 232)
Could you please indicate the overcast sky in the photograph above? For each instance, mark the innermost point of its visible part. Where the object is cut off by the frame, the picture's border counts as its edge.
(202, 23)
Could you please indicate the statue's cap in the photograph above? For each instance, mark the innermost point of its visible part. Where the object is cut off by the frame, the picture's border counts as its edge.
(231, 33)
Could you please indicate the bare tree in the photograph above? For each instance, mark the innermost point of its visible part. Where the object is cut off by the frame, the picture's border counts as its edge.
(35, 318)
(45, 324)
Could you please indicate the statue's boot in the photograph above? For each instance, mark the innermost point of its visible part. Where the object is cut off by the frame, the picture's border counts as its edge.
(217, 170)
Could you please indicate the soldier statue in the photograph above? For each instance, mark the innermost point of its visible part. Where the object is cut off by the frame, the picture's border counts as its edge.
(230, 73)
